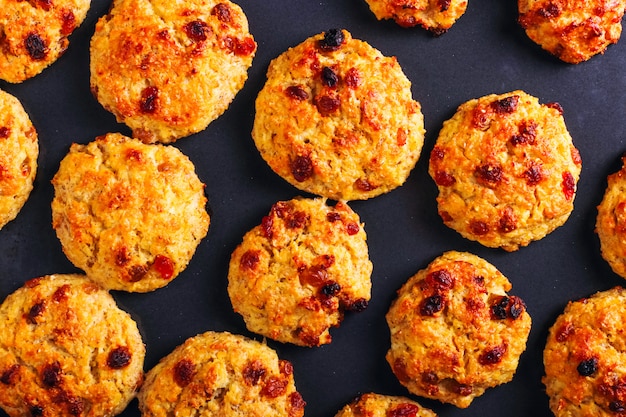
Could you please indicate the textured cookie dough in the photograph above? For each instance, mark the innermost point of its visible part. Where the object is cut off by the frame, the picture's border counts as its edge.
(221, 375)
(66, 349)
(337, 119)
(19, 149)
(293, 276)
(454, 330)
(506, 170)
(34, 34)
(378, 405)
(572, 30)
(436, 16)
(129, 214)
(584, 357)
(167, 69)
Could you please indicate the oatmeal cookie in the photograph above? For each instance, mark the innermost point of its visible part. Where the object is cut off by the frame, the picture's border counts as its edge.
(293, 276)
(66, 349)
(378, 405)
(221, 374)
(436, 16)
(129, 214)
(337, 119)
(34, 34)
(506, 169)
(454, 330)
(167, 69)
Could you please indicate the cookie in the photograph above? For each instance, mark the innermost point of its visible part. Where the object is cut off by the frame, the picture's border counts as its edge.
(221, 374)
(611, 221)
(294, 275)
(19, 149)
(35, 34)
(584, 357)
(454, 330)
(506, 169)
(168, 69)
(573, 31)
(436, 16)
(129, 214)
(378, 405)
(336, 118)
(66, 349)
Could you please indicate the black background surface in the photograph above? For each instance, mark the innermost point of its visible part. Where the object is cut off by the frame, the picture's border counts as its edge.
(485, 52)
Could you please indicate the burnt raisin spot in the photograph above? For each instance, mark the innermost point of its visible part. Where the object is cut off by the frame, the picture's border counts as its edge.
(274, 387)
(197, 30)
(353, 78)
(333, 38)
(119, 358)
(587, 367)
(489, 173)
(363, 184)
(492, 356)
(432, 305)
(444, 5)
(331, 289)
(507, 222)
(9, 376)
(296, 92)
(327, 105)
(517, 307)
(253, 372)
(149, 100)
(444, 179)
(36, 410)
(568, 185)
(479, 228)
(527, 134)
(352, 228)
(550, 11)
(184, 372)
(35, 311)
(222, 12)
(296, 402)
(250, 260)
(404, 410)
(4, 132)
(617, 406)
(36, 46)
(301, 168)
(329, 77)
(69, 23)
(556, 106)
(499, 308)
(358, 306)
(333, 216)
(51, 375)
(533, 175)
(440, 280)
(505, 105)
(296, 220)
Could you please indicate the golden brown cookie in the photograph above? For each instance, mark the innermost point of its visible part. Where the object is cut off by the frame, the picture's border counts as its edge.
(66, 349)
(167, 69)
(572, 30)
(337, 119)
(584, 357)
(378, 405)
(506, 169)
(19, 149)
(221, 374)
(129, 214)
(35, 34)
(436, 16)
(293, 276)
(611, 221)
(454, 330)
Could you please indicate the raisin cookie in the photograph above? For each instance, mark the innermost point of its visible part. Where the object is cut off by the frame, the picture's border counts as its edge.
(337, 119)
(436, 16)
(572, 30)
(378, 405)
(35, 34)
(19, 149)
(293, 276)
(129, 214)
(167, 69)
(584, 357)
(506, 169)
(611, 221)
(66, 349)
(454, 330)
(221, 374)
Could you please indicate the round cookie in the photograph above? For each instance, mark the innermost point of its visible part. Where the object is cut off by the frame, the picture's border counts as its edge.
(611, 221)
(167, 69)
(19, 149)
(454, 330)
(436, 16)
(293, 276)
(572, 30)
(378, 405)
(336, 118)
(129, 214)
(66, 349)
(221, 374)
(584, 357)
(35, 34)
(506, 170)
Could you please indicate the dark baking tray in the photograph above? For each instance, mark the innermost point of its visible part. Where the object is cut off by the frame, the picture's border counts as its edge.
(484, 52)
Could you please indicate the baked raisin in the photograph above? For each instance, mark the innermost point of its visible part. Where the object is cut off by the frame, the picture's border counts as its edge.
(36, 411)
(359, 305)
(479, 228)
(51, 375)
(329, 77)
(333, 38)
(274, 387)
(164, 266)
(302, 168)
(119, 358)
(556, 106)
(297, 92)
(432, 305)
(253, 372)
(352, 228)
(404, 410)
(36, 47)
(331, 289)
(327, 105)
(492, 356)
(505, 105)
(250, 259)
(266, 225)
(526, 135)
(568, 185)
(35, 311)
(333, 216)
(197, 30)
(9, 376)
(551, 11)
(444, 179)
(149, 100)
(507, 222)
(4, 132)
(533, 175)
(517, 307)
(315, 275)
(617, 406)
(489, 173)
(184, 372)
(588, 367)
(222, 12)
(440, 280)
(499, 308)
(363, 184)
(69, 23)
(296, 402)
(353, 78)
(296, 220)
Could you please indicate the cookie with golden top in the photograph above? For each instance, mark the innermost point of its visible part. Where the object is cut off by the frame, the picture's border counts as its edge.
(221, 374)
(378, 405)
(337, 119)
(67, 349)
(19, 149)
(167, 69)
(572, 30)
(294, 275)
(611, 221)
(35, 34)
(436, 16)
(506, 169)
(129, 214)
(454, 330)
(584, 357)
